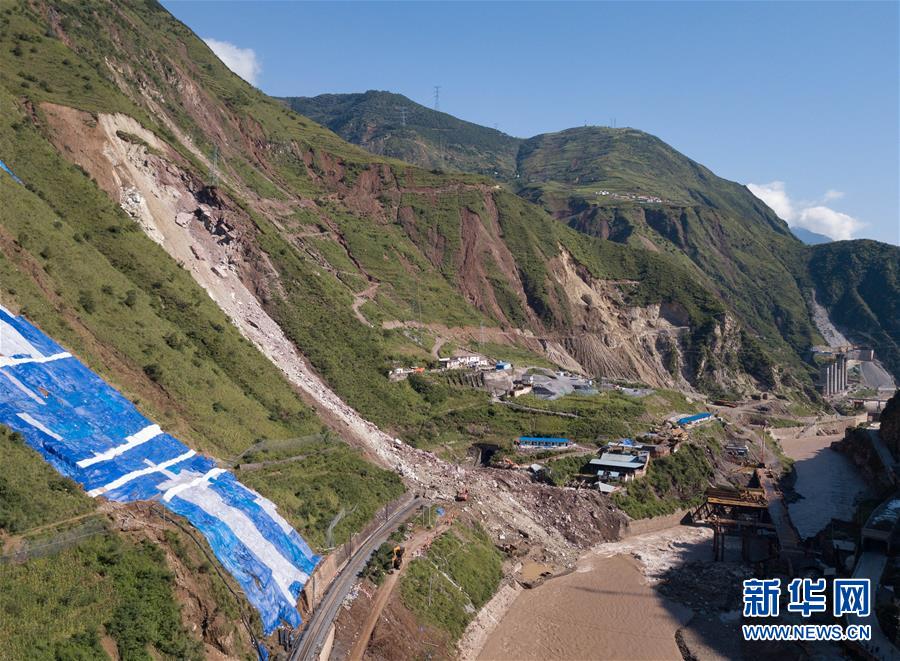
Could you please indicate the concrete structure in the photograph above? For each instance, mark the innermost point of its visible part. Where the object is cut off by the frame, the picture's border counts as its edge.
(520, 389)
(833, 376)
(882, 530)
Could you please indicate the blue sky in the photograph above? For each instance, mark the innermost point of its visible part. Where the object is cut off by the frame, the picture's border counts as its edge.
(799, 99)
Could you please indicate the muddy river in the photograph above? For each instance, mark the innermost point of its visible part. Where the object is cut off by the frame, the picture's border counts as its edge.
(606, 608)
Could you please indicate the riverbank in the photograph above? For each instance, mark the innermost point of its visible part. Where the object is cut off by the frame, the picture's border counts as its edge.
(826, 486)
(608, 606)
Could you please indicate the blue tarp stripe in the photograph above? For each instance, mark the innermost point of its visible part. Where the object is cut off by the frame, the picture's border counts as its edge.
(87, 431)
(39, 340)
(6, 169)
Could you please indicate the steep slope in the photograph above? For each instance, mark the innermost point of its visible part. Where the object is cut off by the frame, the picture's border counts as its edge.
(393, 125)
(631, 187)
(334, 243)
(76, 264)
(858, 282)
(810, 238)
(184, 234)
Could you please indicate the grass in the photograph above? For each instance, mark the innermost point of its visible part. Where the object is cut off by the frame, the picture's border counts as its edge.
(32, 494)
(58, 605)
(428, 138)
(82, 271)
(565, 469)
(328, 479)
(457, 576)
(461, 416)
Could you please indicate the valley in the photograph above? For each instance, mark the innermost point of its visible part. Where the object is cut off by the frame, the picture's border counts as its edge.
(468, 377)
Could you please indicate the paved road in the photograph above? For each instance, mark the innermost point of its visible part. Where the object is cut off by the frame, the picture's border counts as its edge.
(314, 635)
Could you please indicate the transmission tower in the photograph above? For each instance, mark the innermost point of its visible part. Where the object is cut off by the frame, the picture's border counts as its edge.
(403, 111)
(437, 97)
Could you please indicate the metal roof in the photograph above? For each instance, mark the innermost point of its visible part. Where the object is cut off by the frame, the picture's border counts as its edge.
(693, 418)
(610, 460)
(540, 439)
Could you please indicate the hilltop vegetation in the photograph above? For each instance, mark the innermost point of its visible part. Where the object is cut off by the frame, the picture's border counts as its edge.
(395, 126)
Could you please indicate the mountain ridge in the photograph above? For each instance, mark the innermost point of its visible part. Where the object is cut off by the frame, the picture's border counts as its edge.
(629, 187)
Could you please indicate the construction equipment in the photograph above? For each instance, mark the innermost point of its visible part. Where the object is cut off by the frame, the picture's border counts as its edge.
(505, 462)
(397, 558)
(462, 495)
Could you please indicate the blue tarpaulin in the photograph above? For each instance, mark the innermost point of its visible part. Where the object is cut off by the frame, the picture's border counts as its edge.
(12, 174)
(92, 434)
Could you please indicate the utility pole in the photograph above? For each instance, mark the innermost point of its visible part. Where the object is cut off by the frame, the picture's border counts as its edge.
(437, 97)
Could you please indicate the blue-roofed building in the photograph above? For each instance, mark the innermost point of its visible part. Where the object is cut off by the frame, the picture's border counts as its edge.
(503, 366)
(696, 419)
(543, 442)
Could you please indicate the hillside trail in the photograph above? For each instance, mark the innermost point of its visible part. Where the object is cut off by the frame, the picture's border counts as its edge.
(361, 299)
(439, 342)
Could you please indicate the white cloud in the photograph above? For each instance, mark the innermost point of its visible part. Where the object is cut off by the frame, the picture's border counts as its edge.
(775, 195)
(242, 61)
(814, 217)
(821, 219)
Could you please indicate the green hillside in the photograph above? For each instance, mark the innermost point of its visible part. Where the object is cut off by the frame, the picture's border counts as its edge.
(365, 262)
(394, 125)
(630, 187)
(858, 282)
(624, 183)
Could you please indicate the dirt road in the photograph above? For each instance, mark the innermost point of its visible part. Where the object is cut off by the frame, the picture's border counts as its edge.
(319, 626)
(386, 589)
